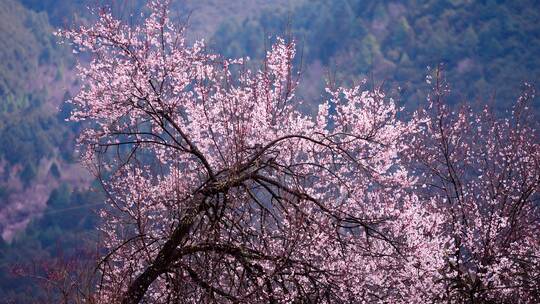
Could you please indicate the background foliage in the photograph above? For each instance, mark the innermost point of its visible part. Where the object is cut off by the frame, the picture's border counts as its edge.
(489, 48)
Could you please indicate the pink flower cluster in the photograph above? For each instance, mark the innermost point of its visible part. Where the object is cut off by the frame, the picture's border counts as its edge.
(221, 190)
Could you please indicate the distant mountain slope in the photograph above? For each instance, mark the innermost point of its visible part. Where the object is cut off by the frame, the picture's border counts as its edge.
(489, 47)
(25, 44)
(35, 139)
(205, 16)
(208, 15)
(41, 211)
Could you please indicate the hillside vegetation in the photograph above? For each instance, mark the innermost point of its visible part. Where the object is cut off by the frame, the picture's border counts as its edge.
(488, 48)
(25, 45)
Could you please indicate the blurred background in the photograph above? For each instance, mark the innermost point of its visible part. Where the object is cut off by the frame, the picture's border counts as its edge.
(48, 202)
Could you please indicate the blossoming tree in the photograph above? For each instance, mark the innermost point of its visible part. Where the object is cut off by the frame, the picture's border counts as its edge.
(220, 190)
(482, 174)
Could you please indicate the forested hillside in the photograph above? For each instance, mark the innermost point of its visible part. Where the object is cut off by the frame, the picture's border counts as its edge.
(36, 147)
(42, 188)
(203, 17)
(25, 46)
(488, 48)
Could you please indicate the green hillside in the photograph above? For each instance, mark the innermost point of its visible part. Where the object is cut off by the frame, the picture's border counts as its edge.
(25, 45)
(489, 48)
(31, 73)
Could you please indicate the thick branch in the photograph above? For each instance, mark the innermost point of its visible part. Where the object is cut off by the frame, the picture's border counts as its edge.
(164, 259)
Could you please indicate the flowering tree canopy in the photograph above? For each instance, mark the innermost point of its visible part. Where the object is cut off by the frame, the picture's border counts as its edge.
(483, 175)
(221, 190)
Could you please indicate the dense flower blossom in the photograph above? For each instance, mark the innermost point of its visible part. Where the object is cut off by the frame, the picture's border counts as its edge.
(483, 175)
(221, 190)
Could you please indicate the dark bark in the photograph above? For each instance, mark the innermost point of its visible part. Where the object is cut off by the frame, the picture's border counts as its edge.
(166, 256)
